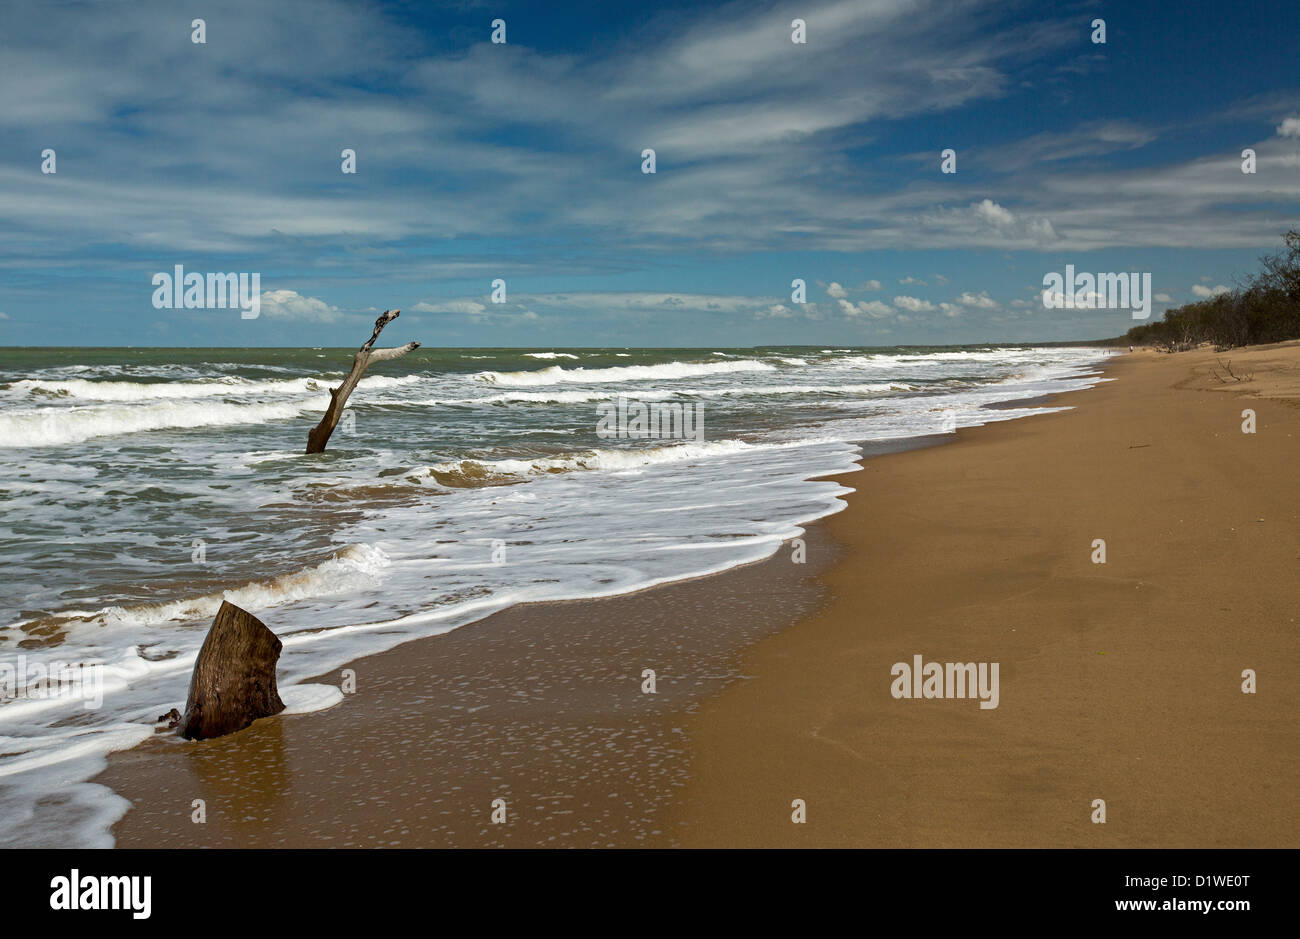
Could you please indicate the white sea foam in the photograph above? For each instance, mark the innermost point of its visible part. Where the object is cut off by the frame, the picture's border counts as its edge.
(595, 459)
(352, 567)
(856, 388)
(85, 389)
(669, 370)
(47, 427)
(512, 397)
(149, 391)
(303, 699)
(597, 395)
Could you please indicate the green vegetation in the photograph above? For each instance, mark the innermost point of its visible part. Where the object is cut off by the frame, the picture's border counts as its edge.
(1264, 309)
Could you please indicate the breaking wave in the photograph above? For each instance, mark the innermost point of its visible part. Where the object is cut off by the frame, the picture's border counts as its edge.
(49, 427)
(351, 568)
(85, 389)
(668, 370)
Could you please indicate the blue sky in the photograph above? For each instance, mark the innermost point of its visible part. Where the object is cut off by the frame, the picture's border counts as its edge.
(522, 161)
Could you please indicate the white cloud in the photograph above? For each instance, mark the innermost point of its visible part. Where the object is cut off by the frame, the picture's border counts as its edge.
(466, 307)
(981, 300)
(874, 308)
(836, 292)
(630, 304)
(1289, 127)
(291, 305)
(651, 302)
(871, 285)
(1008, 226)
(906, 281)
(1202, 291)
(1085, 140)
(914, 304)
(1164, 298)
(4, 316)
(993, 213)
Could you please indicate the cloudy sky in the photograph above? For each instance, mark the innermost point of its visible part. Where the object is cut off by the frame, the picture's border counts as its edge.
(523, 161)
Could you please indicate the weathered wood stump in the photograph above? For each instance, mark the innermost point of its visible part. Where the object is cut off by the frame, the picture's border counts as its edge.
(234, 677)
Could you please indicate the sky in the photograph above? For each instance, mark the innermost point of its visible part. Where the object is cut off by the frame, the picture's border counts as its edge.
(522, 161)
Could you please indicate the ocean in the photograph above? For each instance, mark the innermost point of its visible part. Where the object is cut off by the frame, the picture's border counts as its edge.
(143, 486)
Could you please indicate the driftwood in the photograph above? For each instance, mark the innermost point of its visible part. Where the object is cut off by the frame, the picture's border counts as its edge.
(320, 435)
(234, 677)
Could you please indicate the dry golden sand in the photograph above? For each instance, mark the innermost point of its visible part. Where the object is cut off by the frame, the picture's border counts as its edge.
(1119, 681)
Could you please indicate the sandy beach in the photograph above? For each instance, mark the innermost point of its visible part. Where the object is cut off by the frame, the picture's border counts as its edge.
(1119, 681)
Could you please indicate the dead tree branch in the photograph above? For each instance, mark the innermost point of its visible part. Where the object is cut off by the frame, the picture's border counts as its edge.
(320, 434)
(1227, 367)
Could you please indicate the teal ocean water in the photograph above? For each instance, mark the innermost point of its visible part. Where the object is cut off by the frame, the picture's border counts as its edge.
(143, 486)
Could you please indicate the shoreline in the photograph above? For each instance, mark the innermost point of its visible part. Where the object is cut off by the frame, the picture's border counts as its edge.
(1120, 681)
(540, 705)
(698, 763)
(568, 672)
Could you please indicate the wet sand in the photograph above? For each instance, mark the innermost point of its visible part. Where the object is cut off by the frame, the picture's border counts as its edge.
(539, 705)
(1118, 681)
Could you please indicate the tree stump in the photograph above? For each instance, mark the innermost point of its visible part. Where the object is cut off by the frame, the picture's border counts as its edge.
(234, 677)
